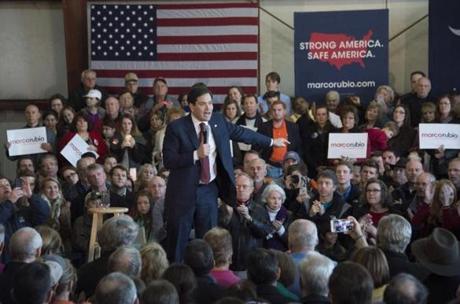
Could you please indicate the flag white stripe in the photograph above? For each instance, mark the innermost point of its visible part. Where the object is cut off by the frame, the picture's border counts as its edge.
(175, 65)
(206, 13)
(215, 98)
(184, 82)
(207, 30)
(207, 48)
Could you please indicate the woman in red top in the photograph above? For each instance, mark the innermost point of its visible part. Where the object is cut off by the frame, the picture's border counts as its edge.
(94, 139)
(444, 211)
(375, 204)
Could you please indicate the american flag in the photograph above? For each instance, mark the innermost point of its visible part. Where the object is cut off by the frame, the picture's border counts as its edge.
(213, 43)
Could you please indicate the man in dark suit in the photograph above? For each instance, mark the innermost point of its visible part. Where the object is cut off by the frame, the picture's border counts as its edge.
(278, 127)
(200, 169)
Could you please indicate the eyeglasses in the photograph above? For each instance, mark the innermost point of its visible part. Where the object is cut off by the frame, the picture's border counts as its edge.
(373, 190)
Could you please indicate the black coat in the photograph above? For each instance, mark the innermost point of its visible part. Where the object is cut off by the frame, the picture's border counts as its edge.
(315, 143)
(399, 262)
(293, 137)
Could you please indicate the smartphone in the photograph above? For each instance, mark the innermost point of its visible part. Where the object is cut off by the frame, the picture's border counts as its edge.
(341, 226)
(18, 182)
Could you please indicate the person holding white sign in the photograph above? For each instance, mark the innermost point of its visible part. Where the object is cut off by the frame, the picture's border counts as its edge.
(81, 126)
(33, 116)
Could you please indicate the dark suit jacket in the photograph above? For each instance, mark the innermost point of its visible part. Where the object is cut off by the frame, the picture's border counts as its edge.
(399, 262)
(180, 142)
(293, 137)
(6, 281)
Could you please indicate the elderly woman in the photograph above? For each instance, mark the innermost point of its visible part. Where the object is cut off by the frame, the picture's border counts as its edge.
(276, 217)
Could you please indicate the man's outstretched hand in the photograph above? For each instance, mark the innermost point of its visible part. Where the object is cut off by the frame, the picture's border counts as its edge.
(280, 142)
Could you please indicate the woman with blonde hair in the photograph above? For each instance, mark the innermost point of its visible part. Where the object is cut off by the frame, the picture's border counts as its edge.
(374, 260)
(60, 218)
(144, 175)
(154, 262)
(52, 241)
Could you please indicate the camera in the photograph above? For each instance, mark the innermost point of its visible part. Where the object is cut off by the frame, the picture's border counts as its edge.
(297, 181)
(95, 195)
(341, 226)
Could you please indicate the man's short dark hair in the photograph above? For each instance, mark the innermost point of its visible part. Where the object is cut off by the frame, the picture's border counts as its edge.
(247, 96)
(198, 255)
(350, 283)
(89, 155)
(263, 266)
(417, 72)
(32, 283)
(329, 174)
(160, 292)
(197, 90)
(118, 167)
(273, 76)
(405, 289)
(371, 163)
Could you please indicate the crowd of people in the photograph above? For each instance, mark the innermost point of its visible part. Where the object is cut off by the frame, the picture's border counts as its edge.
(290, 225)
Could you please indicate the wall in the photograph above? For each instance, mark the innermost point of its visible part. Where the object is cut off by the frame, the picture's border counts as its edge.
(408, 52)
(32, 61)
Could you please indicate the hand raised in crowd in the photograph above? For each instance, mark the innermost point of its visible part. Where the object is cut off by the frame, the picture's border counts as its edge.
(27, 189)
(317, 208)
(243, 211)
(92, 148)
(277, 224)
(440, 152)
(356, 231)
(47, 147)
(15, 195)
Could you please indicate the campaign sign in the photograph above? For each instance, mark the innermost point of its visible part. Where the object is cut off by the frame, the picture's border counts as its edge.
(345, 51)
(351, 145)
(74, 150)
(433, 136)
(26, 141)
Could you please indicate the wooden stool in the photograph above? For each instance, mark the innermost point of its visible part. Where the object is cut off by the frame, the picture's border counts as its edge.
(98, 218)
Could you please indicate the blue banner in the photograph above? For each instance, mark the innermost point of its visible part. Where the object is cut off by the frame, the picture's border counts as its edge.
(444, 46)
(344, 51)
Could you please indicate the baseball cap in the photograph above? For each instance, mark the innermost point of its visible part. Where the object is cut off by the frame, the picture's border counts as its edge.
(292, 155)
(94, 94)
(131, 77)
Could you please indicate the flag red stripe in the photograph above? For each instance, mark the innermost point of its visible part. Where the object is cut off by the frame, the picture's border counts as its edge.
(180, 74)
(207, 5)
(207, 39)
(208, 21)
(181, 90)
(207, 56)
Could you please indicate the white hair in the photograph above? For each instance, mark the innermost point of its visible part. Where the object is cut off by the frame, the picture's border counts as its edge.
(315, 270)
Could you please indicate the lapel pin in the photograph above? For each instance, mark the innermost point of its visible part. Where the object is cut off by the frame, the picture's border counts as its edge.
(215, 126)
